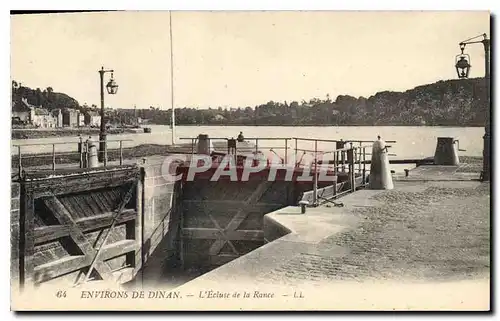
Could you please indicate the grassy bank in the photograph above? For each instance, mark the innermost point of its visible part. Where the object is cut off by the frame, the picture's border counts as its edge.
(64, 132)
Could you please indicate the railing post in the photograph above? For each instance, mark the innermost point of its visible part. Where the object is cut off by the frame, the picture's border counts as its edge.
(105, 156)
(358, 154)
(86, 158)
(80, 150)
(296, 149)
(286, 150)
(315, 177)
(335, 162)
(256, 146)
(350, 160)
(53, 157)
(364, 165)
(121, 152)
(20, 162)
(192, 146)
(340, 145)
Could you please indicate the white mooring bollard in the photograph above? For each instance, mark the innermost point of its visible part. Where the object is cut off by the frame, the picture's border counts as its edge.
(380, 173)
(92, 154)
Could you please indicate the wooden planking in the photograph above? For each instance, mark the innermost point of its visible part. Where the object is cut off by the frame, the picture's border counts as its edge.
(64, 217)
(83, 209)
(48, 233)
(226, 190)
(84, 182)
(96, 237)
(277, 193)
(27, 246)
(61, 266)
(110, 199)
(101, 202)
(97, 263)
(239, 216)
(124, 275)
(196, 213)
(37, 173)
(88, 200)
(101, 221)
(51, 232)
(86, 215)
(214, 234)
(68, 264)
(54, 250)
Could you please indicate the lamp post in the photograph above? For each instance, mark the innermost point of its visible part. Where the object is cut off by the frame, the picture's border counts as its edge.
(112, 88)
(463, 66)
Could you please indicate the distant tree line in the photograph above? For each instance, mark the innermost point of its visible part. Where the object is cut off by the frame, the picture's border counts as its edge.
(445, 103)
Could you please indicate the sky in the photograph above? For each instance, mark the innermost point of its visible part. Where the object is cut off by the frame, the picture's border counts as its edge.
(239, 59)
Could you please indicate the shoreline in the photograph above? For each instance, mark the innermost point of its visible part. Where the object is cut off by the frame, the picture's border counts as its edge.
(34, 133)
(66, 132)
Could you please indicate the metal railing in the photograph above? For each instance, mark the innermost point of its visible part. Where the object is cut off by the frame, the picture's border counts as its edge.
(68, 156)
(256, 149)
(349, 157)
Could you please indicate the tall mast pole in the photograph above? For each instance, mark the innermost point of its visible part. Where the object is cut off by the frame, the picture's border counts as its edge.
(487, 133)
(172, 79)
(486, 172)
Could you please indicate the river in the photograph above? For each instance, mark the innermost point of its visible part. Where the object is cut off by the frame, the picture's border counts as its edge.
(411, 141)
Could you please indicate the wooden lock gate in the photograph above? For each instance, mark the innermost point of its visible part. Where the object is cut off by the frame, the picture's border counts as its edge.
(80, 225)
(222, 220)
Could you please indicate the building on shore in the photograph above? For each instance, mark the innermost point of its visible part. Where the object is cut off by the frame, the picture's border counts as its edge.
(57, 113)
(92, 118)
(70, 117)
(42, 118)
(21, 112)
(81, 119)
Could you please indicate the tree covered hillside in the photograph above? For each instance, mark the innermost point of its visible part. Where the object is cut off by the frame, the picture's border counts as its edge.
(444, 103)
(46, 98)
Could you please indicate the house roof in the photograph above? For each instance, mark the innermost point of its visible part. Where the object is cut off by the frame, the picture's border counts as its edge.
(41, 111)
(21, 106)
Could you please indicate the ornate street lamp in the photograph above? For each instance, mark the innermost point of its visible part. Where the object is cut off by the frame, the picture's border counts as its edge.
(112, 88)
(462, 66)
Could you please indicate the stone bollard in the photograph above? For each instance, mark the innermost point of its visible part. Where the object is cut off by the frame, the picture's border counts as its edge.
(204, 145)
(380, 173)
(92, 155)
(446, 151)
(231, 146)
(303, 205)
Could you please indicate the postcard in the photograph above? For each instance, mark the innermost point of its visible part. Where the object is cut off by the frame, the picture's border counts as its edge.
(250, 160)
